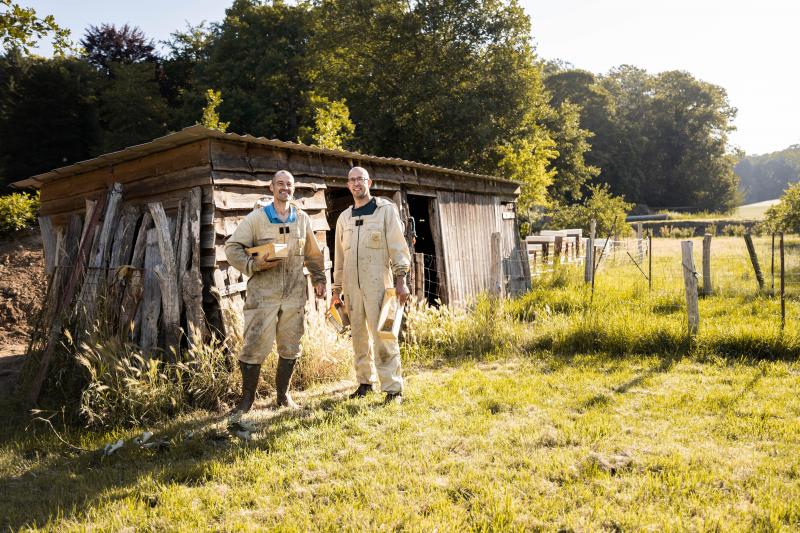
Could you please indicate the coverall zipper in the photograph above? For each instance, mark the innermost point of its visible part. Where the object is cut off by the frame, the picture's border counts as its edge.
(358, 240)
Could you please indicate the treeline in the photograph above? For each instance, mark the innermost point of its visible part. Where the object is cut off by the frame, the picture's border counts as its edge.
(766, 177)
(455, 83)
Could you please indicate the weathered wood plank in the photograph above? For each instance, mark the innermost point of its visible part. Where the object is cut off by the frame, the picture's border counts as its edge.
(167, 281)
(151, 301)
(49, 243)
(263, 180)
(98, 259)
(192, 281)
(124, 236)
(181, 157)
(133, 291)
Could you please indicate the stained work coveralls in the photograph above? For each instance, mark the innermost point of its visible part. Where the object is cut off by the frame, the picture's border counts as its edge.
(370, 251)
(276, 298)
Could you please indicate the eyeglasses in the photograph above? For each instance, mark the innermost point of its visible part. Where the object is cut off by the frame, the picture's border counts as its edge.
(354, 181)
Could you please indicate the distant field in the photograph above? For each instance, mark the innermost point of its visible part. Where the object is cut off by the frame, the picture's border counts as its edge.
(754, 211)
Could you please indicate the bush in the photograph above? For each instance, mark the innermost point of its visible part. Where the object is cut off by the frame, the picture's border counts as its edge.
(675, 232)
(18, 211)
(601, 206)
(734, 230)
(785, 216)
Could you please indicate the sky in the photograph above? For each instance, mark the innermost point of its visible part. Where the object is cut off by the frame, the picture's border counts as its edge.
(747, 47)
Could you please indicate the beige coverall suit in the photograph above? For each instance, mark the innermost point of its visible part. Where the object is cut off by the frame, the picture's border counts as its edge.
(370, 251)
(276, 298)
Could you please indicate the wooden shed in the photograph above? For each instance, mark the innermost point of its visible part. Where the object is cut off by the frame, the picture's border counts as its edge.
(205, 181)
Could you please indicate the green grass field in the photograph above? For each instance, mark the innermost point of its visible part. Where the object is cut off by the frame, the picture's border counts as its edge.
(555, 411)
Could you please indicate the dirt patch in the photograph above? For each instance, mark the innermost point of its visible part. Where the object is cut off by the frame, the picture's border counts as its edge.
(22, 287)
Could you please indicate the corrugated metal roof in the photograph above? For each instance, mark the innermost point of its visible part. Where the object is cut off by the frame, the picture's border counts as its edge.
(197, 132)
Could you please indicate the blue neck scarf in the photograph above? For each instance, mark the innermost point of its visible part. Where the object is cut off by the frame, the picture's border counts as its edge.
(272, 215)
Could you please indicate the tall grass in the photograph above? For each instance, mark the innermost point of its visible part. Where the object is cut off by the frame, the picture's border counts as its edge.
(436, 334)
(624, 316)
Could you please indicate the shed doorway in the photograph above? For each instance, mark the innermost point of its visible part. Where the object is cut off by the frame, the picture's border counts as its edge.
(420, 209)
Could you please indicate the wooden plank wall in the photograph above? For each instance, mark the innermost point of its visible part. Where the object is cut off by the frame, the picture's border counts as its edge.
(164, 176)
(467, 222)
(241, 176)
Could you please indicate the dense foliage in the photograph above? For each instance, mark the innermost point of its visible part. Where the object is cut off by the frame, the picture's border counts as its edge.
(659, 140)
(785, 216)
(765, 177)
(455, 83)
(17, 211)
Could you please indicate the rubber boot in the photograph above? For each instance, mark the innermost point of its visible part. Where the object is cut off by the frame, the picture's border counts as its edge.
(283, 378)
(362, 390)
(250, 375)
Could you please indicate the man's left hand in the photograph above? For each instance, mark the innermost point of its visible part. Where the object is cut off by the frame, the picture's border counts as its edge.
(401, 290)
(319, 289)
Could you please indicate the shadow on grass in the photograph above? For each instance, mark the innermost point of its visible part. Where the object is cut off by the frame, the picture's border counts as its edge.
(63, 483)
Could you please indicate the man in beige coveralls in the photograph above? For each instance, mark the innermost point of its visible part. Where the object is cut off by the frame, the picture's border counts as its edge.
(371, 255)
(276, 290)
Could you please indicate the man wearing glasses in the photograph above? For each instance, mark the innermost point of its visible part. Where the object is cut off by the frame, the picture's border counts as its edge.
(370, 256)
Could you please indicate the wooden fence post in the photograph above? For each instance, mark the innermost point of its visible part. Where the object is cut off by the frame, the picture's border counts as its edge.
(751, 250)
(639, 243)
(419, 276)
(783, 289)
(772, 266)
(650, 262)
(690, 284)
(588, 271)
(496, 269)
(707, 287)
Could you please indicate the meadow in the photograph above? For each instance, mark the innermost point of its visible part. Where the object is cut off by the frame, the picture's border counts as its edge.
(556, 410)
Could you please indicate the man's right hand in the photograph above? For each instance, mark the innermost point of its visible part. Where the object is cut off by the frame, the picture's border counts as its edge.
(336, 298)
(261, 263)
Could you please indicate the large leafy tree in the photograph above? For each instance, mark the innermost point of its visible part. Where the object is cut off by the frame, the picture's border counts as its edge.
(658, 139)
(52, 117)
(21, 27)
(107, 45)
(132, 110)
(256, 58)
(765, 177)
(442, 81)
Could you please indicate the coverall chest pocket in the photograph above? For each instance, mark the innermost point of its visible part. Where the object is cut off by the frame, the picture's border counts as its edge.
(269, 234)
(347, 238)
(374, 235)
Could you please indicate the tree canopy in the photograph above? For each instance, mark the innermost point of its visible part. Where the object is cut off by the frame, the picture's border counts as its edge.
(455, 83)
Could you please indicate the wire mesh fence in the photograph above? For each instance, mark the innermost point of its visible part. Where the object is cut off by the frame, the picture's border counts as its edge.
(657, 271)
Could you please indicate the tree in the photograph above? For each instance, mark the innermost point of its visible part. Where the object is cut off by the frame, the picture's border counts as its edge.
(600, 205)
(106, 45)
(326, 123)
(658, 139)
(52, 117)
(785, 215)
(188, 51)
(210, 115)
(572, 173)
(257, 57)
(765, 177)
(449, 82)
(132, 110)
(21, 28)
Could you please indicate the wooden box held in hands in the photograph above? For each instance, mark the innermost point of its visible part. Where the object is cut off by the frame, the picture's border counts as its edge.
(273, 251)
(390, 317)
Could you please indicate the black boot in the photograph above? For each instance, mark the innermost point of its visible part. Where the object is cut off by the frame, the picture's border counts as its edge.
(250, 375)
(283, 378)
(361, 391)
